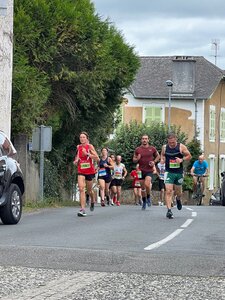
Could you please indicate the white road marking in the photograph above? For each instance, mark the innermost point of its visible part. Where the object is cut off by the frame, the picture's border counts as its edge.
(174, 234)
(164, 241)
(188, 208)
(187, 223)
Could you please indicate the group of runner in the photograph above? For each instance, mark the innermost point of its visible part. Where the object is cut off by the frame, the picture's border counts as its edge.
(112, 173)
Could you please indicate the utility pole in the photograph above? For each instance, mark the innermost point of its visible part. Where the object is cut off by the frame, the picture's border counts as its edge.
(6, 63)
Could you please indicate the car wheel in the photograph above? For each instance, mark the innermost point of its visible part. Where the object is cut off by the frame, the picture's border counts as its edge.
(11, 212)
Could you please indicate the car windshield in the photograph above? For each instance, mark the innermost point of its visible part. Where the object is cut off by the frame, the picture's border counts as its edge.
(6, 146)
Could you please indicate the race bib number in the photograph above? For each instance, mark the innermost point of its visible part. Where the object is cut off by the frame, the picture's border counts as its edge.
(102, 172)
(139, 173)
(173, 164)
(85, 165)
(118, 175)
(137, 184)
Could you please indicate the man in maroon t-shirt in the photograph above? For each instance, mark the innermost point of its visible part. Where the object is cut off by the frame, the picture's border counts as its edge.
(147, 156)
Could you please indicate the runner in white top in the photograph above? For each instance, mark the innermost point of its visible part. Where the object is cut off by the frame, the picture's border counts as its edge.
(119, 175)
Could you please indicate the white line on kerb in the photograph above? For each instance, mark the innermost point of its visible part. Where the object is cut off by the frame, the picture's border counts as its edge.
(167, 239)
(187, 223)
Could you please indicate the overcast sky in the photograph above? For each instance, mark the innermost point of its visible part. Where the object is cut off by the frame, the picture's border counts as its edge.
(175, 27)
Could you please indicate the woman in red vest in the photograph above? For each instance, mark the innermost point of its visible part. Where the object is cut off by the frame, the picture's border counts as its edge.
(85, 156)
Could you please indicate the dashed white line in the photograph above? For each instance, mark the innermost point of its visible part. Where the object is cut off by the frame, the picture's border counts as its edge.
(187, 223)
(188, 208)
(194, 214)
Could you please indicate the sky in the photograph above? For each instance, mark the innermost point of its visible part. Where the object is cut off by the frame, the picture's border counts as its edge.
(175, 27)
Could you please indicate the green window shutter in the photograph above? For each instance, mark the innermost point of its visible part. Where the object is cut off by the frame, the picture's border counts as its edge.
(153, 114)
(212, 123)
(222, 126)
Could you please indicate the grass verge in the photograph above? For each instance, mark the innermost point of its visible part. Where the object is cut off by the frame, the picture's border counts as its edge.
(30, 206)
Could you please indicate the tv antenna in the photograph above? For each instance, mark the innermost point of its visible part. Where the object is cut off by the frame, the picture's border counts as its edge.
(215, 48)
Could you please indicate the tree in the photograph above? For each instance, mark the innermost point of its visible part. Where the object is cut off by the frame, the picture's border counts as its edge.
(70, 71)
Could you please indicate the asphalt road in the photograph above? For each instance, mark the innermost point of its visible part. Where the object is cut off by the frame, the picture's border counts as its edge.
(118, 252)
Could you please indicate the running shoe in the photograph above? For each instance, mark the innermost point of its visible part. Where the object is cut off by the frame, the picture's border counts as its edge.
(102, 203)
(92, 207)
(82, 213)
(179, 204)
(118, 203)
(149, 201)
(169, 214)
(144, 205)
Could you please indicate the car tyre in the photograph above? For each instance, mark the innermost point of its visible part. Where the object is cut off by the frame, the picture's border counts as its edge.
(12, 210)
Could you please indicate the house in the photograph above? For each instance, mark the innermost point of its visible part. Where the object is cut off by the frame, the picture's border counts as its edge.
(195, 101)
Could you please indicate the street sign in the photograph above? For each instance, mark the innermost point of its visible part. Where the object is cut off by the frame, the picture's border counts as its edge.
(42, 138)
(42, 142)
(3, 7)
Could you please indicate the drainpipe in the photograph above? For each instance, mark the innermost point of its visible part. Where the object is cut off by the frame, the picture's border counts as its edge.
(196, 112)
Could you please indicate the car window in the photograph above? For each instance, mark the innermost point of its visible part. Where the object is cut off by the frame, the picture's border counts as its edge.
(6, 147)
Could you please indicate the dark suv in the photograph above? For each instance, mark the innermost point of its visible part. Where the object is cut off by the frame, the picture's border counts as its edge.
(11, 183)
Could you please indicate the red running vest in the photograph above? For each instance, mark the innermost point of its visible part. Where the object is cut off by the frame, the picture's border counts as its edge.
(85, 163)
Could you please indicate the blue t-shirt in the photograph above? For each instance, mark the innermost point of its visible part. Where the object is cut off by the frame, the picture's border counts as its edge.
(200, 168)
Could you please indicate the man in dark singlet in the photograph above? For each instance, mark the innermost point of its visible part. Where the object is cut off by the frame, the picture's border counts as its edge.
(173, 154)
(147, 156)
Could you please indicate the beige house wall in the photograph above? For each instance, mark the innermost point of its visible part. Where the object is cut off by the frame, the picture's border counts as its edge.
(218, 100)
(132, 113)
(179, 117)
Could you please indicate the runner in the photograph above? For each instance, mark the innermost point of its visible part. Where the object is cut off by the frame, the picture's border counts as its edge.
(104, 175)
(160, 167)
(173, 155)
(86, 171)
(136, 184)
(120, 172)
(113, 158)
(147, 156)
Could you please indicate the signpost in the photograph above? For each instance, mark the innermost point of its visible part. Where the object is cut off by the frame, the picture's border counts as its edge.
(3, 7)
(42, 141)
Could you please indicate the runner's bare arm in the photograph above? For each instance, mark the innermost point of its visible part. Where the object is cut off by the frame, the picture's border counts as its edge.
(184, 150)
(136, 157)
(162, 160)
(93, 154)
(157, 157)
(125, 172)
(111, 165)
(76, 157)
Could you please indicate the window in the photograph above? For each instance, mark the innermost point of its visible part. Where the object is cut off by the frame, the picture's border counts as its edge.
(222, 163)
(211, 171)
(212, 123)
(153, 113)
(222, 125)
